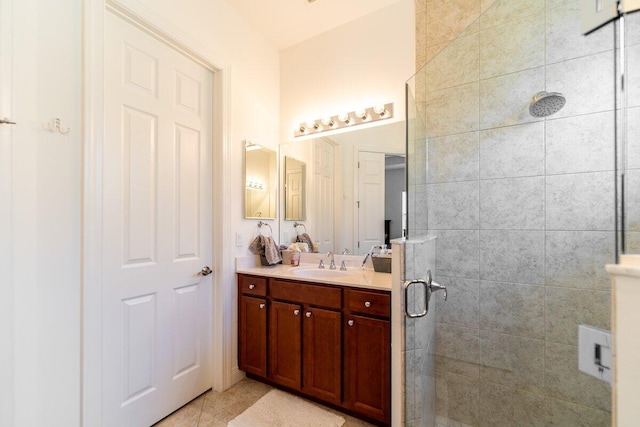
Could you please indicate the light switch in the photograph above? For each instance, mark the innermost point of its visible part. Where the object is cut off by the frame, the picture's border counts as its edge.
(595, 355)
(239, 239)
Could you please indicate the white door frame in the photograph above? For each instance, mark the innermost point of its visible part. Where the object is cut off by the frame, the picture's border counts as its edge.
(93, 136)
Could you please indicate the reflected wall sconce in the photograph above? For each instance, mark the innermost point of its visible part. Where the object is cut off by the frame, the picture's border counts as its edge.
(367, 115)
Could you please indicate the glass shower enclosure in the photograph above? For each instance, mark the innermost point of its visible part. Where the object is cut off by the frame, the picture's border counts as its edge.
(517, 211)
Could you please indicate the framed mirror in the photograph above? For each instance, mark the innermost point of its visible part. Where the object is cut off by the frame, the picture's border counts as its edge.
(294, 189)
(261, 182)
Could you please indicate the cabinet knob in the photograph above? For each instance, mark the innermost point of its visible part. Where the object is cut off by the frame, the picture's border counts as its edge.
(261, 306)
(350, 322)
(296, 312)
(252, 286)
(367, 304)
(308, 314)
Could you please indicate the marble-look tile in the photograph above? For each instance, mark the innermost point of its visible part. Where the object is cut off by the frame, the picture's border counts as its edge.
(580, 144)
(632, 201)
(452, 110)
(453, 206)
(512, 309)
(512, 361)
(501, 11)
(504, 100)
(461, 306)
(486, 4)
(507, 407)
(565, 414)
(565, 381)
(633, 76)
(585, 83)
(421, 205)
(565, 309)
(565, 40)
(453, 158)
(455, 65)
(457, 343)
(512, 151)
(420, 5)
(458, 253)
(633, 137)
(580, 201)
(220, 408)
(512, 46)
(512, 256)
(576, 259)
(457, 398)
(446, 20)
(444, 365)
(632, 26)
(512, 204)
(632, 243)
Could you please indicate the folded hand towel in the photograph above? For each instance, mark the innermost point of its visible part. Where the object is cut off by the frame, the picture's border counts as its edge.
(257, 245)
(271, 251)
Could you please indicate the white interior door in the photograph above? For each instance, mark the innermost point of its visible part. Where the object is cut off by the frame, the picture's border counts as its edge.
(157, 220)
(370, 204)
(324, 193)
(295, 191)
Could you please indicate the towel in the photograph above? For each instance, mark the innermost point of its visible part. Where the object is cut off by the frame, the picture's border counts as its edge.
(265, 245)
(304, 238)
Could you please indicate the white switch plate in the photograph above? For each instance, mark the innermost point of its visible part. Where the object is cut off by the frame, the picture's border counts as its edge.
(239, 239)
(589, 338)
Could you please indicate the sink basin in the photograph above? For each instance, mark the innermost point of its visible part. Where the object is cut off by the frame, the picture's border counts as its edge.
(317, 272)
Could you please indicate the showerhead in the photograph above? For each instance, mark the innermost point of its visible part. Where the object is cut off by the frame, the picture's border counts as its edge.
(545, 104)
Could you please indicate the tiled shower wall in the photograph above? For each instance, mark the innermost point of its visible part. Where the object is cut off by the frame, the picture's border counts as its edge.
(523, 208)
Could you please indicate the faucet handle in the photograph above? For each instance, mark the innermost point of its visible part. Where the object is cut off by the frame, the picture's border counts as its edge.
(321, 265)
(343, 265)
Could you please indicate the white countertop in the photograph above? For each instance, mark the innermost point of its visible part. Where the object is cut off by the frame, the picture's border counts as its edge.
(356, 277)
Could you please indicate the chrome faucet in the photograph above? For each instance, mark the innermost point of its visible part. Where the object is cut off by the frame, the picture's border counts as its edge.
(346, 251)
(366, 257)
(332, 266)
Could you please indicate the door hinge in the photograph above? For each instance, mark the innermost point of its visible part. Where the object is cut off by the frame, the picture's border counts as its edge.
(358, 165)
(358, 203)
(358, 244)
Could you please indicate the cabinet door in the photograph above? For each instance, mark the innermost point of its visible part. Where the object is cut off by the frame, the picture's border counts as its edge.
(285, 338)
(368, 365)
(322, 354)
(252, 335)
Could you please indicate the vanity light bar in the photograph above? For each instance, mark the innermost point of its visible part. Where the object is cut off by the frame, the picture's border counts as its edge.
(368, 115)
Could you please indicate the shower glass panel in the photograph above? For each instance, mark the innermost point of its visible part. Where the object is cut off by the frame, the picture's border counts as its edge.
(522, 209)
(629, 160)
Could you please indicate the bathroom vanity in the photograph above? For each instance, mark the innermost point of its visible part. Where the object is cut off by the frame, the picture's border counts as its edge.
(325, 338)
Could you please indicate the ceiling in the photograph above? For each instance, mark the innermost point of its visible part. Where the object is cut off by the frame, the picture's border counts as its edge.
(288, 22)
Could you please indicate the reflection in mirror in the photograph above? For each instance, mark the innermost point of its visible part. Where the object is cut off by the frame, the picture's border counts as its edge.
(294, 189)
(354, 186)
(261, 186)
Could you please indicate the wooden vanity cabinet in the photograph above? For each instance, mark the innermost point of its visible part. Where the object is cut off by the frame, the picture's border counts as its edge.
(326, 342)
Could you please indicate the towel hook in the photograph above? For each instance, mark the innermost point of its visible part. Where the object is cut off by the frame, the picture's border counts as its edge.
(261, 223)
(299, 224)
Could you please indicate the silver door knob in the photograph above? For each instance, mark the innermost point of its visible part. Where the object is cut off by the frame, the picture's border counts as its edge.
(252, 286)
(205, 271)
(261, 306)
(367, 304)
(350, 322)
(6, 121)
(296, 312)
(308, 314)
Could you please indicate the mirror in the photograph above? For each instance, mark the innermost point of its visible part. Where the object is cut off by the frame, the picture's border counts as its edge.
(294, 189)
(261, 182)
(347, 206)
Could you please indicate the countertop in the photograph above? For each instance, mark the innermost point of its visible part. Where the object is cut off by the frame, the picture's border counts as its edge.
(356, 277)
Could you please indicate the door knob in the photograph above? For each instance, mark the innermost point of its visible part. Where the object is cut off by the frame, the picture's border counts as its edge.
(350, 322)
(205, 271)
(262, 306)
(296, 312)
(252, 286)
(308, 314)
(6, 121)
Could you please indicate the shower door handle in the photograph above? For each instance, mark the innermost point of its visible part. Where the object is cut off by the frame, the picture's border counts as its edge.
(429, 287)
(408, 285)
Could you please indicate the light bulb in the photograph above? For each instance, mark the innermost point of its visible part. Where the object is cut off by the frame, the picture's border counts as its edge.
(362, 114)
(380, 110)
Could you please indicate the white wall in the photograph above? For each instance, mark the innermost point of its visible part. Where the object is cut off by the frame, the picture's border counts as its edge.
(45, 277)
(357, 65)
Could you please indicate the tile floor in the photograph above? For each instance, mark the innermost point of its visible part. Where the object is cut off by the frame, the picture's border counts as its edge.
(213, 409)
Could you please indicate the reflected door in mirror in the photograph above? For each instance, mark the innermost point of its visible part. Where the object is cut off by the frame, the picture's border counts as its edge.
(294, 189)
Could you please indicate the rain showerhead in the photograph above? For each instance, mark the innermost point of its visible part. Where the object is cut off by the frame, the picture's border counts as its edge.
(545, 104)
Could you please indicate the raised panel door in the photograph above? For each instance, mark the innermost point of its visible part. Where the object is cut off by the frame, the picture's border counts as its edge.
(285, 344)
(252, 335)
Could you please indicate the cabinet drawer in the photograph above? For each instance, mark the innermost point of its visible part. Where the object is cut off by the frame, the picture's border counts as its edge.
(303, 293)
(369, 303)
(251, 285)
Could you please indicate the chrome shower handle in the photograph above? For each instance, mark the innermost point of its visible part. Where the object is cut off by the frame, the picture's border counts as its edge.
(434, 286)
